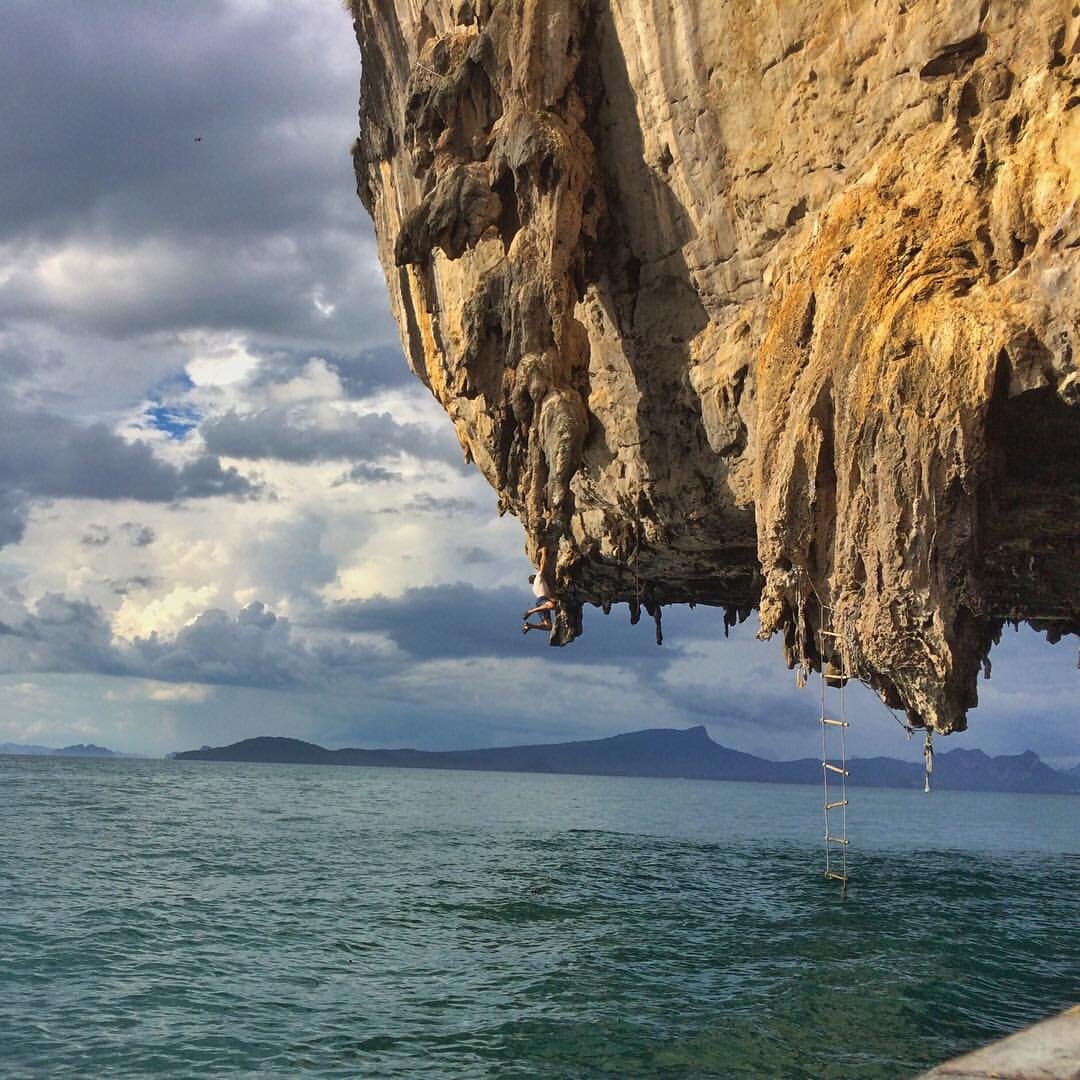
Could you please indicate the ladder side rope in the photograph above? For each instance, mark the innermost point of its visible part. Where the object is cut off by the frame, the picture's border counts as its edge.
(830, 643)
(836, 836)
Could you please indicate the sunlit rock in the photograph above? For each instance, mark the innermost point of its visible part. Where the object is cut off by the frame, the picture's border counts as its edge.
(760, 306)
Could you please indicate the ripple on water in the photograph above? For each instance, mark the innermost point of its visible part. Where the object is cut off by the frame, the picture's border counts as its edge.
(165, 918)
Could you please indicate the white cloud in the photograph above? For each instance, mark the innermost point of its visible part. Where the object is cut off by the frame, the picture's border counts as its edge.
(316, 382)
(163, 614)
(160, 693)
(322, 306)
(81, 278)
(222, 363)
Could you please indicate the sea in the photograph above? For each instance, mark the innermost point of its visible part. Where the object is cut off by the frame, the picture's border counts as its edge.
(190, 919)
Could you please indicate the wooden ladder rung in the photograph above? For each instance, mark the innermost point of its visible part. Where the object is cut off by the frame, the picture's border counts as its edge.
(834, 723)
(835, 876)
(836, 840)
(833, 805)
(835, 768)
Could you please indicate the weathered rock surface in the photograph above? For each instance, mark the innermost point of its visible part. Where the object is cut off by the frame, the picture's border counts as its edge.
(765, 306)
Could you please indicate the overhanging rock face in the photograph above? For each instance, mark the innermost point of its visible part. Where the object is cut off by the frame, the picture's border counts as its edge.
(764, 306)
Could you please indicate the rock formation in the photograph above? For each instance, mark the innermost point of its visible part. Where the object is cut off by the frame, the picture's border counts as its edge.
(759, 305)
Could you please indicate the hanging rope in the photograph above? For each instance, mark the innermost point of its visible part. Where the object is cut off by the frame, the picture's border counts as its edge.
(908, 729)
(632, 561)
(928, 758)
(802, 669)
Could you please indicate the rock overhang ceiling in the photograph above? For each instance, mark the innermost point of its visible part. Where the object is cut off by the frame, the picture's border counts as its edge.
(765, 307)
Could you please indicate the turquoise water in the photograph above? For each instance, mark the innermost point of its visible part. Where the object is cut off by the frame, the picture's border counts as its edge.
(188, 919)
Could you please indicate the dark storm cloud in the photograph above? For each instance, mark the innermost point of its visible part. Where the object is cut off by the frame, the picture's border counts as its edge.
(448, 621)
(256, 648)
(285, 433)
(365, 473)
(436, 621)
(200, 281)
(195, 157)
(14, 511)
(19, 359)
(59, 635)
(47, 456)
(253, 649)
(766, 700)
(103, 105)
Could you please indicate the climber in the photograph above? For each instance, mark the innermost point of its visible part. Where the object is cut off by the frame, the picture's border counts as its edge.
(544, 592)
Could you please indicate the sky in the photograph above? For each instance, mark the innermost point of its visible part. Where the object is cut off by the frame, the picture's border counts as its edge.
(226, 507)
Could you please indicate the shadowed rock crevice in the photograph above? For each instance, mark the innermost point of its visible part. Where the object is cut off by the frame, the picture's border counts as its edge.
(775, 312)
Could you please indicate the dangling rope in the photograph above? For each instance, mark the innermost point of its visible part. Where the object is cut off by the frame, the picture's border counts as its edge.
(908, 729)
(802, 669)
(928, 758)
(635, 606)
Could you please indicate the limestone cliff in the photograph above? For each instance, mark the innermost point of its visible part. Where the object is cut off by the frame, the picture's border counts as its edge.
(760, 305)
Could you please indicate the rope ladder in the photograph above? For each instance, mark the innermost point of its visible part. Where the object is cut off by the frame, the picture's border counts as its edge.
(834, 770)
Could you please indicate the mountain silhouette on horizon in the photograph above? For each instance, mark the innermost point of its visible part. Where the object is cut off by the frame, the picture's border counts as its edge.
(75, 750)
(665, 752)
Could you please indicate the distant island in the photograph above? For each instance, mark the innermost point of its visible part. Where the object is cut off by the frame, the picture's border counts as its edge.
(77, 750)
(667, 752)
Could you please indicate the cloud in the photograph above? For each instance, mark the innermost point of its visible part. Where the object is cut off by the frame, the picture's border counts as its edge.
(255, 648)
(460, 620)
(291, 557)
(475, 556)
(423, 502)
(14, 511)
(360, 374)
(95, 536)
(47, 455)
(132, 156)
(161, 693)
(366, 473)
(135, 534)
(306, 434)
(134, 583)
(117, 221)
(138, 535)
(59, 635)
(130, 289)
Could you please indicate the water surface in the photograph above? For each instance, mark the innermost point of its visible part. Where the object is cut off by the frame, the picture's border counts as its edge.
(185, 918)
